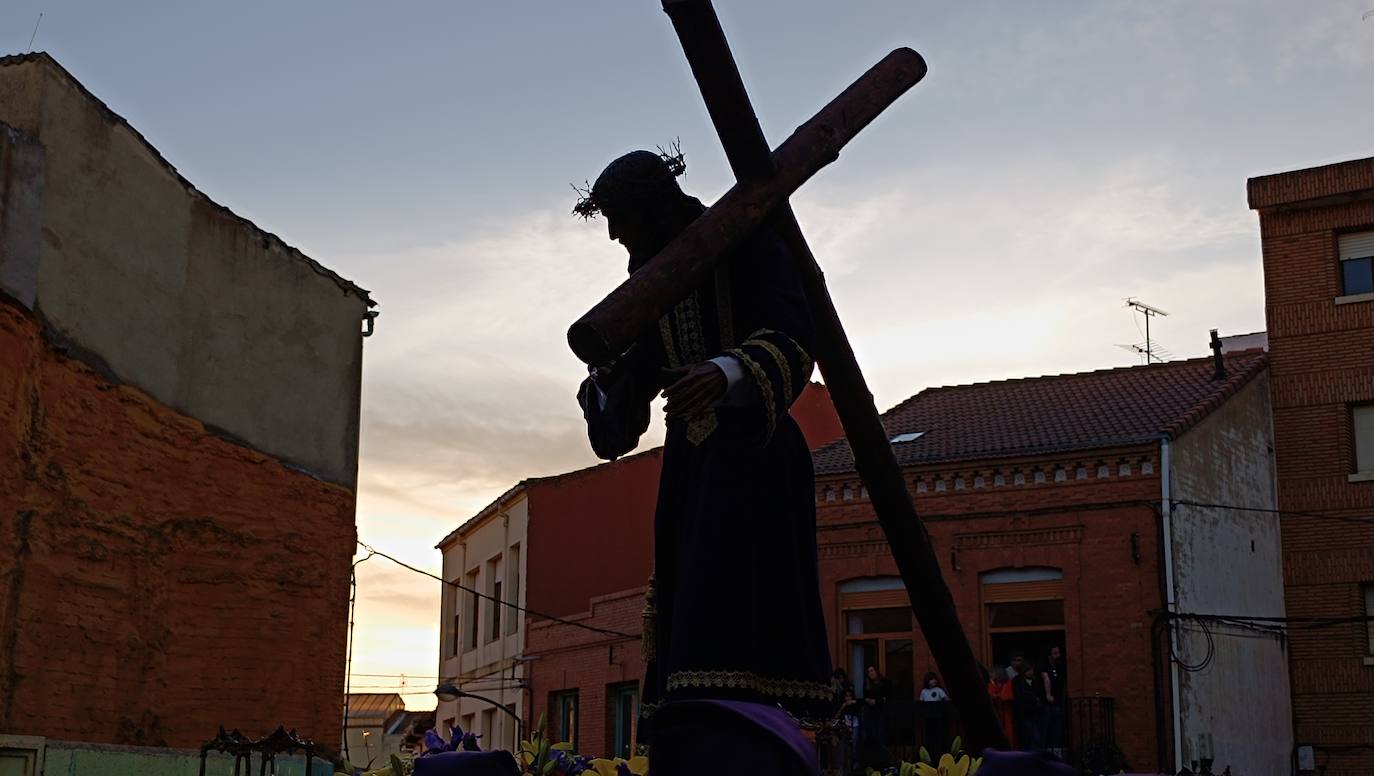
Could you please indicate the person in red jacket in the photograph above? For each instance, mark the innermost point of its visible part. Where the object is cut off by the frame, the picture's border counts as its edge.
(1002, 694)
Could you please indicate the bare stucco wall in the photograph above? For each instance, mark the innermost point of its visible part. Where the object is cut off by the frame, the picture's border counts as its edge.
(1228, 562)
(178, 296)
(21, 207)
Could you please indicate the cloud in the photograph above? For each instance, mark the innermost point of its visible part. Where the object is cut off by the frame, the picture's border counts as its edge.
(396, 591)
(1329, 34)
(946, 278)
(468, 385)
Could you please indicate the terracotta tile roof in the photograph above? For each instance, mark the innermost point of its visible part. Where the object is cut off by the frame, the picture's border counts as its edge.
(374, 704)
(1029, 416)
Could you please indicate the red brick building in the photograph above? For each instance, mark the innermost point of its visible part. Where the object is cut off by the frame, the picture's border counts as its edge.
(551, 544)
(1317, 228)
(1053, 506)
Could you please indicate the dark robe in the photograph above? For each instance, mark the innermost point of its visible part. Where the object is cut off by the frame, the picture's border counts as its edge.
(734, 608)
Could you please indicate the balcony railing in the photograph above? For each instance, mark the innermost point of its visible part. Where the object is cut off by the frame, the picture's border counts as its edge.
(1088, 723)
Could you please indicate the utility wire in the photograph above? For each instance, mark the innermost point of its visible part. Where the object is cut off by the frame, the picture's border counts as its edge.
(412, 689)
(1281, 512)
(1299, 623)
(1202, 622)
(1293, 622)
(1277, 627)
(494, 599)
(399, 676)
(1206, 659)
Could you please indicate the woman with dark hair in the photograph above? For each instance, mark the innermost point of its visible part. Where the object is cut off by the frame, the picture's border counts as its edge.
(839, 685)
(877, 691)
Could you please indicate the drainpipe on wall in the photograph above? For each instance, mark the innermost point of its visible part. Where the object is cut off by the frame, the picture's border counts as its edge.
(1170, 602)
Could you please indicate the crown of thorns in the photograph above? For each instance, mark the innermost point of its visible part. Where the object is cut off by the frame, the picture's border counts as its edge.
(627, 187)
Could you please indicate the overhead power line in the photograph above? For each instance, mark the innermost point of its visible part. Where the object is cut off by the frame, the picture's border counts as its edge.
(1281, 512)
(497, 601)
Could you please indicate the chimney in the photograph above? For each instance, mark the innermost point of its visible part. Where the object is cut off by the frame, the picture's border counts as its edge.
(1218, 363)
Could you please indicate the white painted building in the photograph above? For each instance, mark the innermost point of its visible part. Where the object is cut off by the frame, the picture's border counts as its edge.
(482, 642)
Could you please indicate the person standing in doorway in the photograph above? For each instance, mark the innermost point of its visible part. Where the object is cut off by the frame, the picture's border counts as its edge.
(839, 685)
(1028, 691)
(1002, 693)
(934, 713)
(1014, 667)
(850, 709)
(877, 692)
(1056, 701)
(933, 692)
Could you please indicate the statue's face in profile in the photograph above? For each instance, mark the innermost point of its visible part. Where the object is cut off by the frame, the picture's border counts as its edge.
(630, 228)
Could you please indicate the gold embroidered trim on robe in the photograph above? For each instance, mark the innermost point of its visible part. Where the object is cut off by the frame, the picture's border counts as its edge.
(748, 680)
(700, 427)
(665, 329)
(803, 358)
(688, 313)
(765, 386)
(648, 709)
(783, 367)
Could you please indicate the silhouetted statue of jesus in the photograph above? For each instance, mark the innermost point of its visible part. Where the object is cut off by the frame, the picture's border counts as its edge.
(734, 637)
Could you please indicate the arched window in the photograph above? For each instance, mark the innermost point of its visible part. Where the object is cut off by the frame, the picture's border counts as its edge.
(878, 632)
(1023, 613)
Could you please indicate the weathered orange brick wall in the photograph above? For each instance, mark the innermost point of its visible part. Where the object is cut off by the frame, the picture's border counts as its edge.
(1321, 362)
(156, 580)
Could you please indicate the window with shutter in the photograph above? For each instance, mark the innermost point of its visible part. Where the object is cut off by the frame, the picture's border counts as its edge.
(1362, 421)
(1357, 263)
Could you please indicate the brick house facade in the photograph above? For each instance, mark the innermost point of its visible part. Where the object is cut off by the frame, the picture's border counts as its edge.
(1317, 232)
(1046, 502)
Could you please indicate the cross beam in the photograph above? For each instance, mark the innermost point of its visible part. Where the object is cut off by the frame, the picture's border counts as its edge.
(765, 180)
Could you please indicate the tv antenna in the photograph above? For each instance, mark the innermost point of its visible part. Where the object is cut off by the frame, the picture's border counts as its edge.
(1149, 351)
(35, 30)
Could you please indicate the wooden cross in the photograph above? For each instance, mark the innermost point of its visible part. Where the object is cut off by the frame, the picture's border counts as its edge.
(765, 179)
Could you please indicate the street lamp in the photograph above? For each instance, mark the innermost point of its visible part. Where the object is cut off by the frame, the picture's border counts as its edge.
(450, 692)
